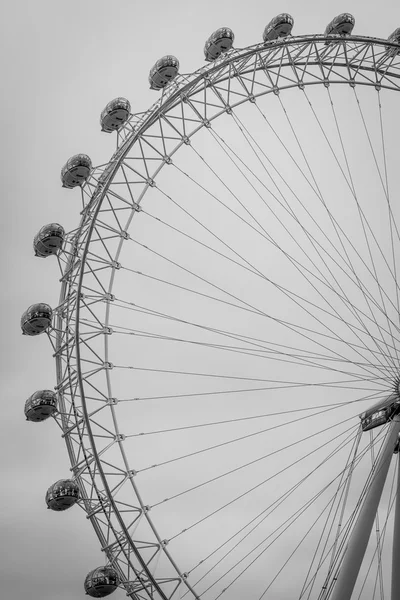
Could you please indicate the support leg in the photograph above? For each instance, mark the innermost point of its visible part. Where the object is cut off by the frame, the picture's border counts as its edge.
(396, 543)
(358, 542)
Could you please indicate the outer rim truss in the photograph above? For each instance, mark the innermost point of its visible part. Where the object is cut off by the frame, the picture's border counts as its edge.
(230, 81)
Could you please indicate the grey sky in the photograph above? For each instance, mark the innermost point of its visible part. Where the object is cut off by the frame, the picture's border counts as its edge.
(61, 63)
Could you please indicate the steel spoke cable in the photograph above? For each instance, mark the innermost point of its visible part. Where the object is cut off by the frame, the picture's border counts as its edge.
(291, 520)
(377, 531)
(239, 391)
(136, 308)
(392, 220)
(255, 487)
(358, 205)
(384, 530)
(254, 309)
(387, 200)
(281, 288)
(247, 418)
(288, 232)
(248, 464)
(306, 357)
(344, 532)
(335, 224)
(286, 525)
(286, 291)
(312, 240)
(232, 441)
(265, 355)
(343, 488)
(292, 260)
(221, 347)
(255, 272)
(360, 285)
(304, 362)
(362, 219)
(266, 512)
(338, 553)
(260, 233)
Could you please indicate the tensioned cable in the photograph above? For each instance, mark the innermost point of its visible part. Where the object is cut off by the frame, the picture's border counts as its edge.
(355, 198)
(266, 512)
(295, 263)
(290, 210)
(333, 220)
(265, 353)
(285, 525)
(345, 486)
(351, 266)
(242, 495)
(304, 361)
(237, 391)
(247, 418)
(377, 530)
(384, 529)
(190, 290)
(300, 512)
(361, 216)
(259, 311)
(346, 531)
(257, 273)
(392, 220)
(248, 224)
(308, 503)
(384, 190)
(254, 229)
(237, 439)
(336, 225)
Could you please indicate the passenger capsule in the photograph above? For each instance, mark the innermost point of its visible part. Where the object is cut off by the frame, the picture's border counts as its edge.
(76, 170)
(62, 495)
(341, 25)
(279, 26)
(36, 319)
(49, 240)
(394, 38)
(219, 42)
(41, 405)
(115, 114)
(101, 582)
(164, 71)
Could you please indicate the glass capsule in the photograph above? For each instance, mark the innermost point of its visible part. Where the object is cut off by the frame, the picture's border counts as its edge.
(341, 25)
(62, 495)
(219, 42)
(76, 170)
(36, 319)
(163, 72)
(101, 582)
(41, 405)
(115, 114)
(48, 240)
(279, 26)
(394, 38)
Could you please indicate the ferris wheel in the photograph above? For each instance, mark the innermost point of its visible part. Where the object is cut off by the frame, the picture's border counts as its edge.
(228, 331)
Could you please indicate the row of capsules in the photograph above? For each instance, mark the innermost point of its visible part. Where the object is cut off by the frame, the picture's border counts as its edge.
(49, 241)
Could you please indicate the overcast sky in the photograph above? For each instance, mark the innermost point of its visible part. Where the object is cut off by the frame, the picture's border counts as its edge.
(61, 63)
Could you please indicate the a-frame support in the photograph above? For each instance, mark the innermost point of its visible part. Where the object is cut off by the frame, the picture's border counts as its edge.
(396, 542)
(358, 541)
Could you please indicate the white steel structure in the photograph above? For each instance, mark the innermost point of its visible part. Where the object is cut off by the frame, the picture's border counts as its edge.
(229, 307)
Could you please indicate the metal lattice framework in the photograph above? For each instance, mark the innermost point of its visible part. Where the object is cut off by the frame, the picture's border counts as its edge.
(111, 198)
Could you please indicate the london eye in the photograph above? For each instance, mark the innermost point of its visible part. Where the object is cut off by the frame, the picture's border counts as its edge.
(227, 335)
